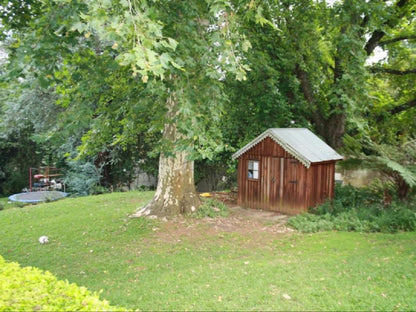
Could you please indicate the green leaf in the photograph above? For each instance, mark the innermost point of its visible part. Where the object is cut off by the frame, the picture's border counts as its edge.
(408, 175)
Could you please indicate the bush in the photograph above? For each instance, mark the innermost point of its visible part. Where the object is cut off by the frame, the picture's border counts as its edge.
(211, 208)
(310, 223)
(347, 198)
(357, 209)
(32, 289)
(348, 221)
(82, 178)
(98, 189)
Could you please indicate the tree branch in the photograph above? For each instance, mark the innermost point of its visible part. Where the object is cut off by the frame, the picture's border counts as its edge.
(393, 40)
(373, 42)
(307, 92)
(403, 107)
(305, 84)
(392, 71)
(378, 34)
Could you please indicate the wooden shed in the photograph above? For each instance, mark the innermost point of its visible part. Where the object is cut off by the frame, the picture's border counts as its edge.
(286, 170)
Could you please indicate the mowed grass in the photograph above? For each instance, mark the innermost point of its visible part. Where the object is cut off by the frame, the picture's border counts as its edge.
(95, 244)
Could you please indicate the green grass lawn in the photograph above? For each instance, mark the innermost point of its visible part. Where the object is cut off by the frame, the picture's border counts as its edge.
(5, 203)
(95, 244)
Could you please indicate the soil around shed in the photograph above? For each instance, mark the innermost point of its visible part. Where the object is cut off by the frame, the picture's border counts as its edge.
(252, 223)
(251, 220)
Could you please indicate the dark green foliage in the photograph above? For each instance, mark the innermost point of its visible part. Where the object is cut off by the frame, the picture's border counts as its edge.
(347, 198)
(209, 175)
(360, 210)
(310, 223)
(82, 178)
(17, 153)
(28, 114)
(308, 65)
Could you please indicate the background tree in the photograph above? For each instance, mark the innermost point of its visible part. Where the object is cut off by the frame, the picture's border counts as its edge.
(179, 51)
(136, 79)
(315, 67)
(318, 55)
(26, 113)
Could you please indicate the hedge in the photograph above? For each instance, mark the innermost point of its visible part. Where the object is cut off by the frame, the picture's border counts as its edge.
(31, 289)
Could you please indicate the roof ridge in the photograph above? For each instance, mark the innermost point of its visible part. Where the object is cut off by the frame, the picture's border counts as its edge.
(302, 151)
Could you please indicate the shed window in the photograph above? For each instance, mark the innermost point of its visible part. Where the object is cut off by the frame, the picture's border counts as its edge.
(253, 169)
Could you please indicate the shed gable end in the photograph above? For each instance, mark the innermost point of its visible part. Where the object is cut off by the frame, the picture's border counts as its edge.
(301, 143)
(267, 147)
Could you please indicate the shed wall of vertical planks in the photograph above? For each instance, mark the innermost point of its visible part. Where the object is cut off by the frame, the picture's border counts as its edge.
(283, 183)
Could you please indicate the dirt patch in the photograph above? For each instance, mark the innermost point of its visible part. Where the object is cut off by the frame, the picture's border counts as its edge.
(259, 215)
(248, 222)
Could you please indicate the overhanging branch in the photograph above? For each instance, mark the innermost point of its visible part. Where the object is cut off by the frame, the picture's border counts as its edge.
(378, 34)
(373, 42)
(392, 71)
(397, 39)
(403, 107)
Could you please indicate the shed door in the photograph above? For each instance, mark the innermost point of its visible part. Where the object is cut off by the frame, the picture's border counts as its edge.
(282, 189)
(275, 183)
(290, 184)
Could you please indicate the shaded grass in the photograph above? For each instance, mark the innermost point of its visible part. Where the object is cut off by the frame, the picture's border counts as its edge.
(95, 244)
(5, 203)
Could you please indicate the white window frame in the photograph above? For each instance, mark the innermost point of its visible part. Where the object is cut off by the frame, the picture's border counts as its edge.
(253, 169)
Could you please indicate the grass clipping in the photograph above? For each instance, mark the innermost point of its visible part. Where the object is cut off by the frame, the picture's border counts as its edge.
(30, 288)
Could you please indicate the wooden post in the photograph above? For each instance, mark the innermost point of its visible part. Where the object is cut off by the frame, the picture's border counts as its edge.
(30, 179)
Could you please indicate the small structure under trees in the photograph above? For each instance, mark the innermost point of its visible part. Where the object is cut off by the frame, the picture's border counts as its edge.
(44, 185)
(286, 170)
(45, 179)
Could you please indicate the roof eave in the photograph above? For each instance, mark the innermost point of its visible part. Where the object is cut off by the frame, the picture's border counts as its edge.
(287, 147)
(269, 133)
(251, 144)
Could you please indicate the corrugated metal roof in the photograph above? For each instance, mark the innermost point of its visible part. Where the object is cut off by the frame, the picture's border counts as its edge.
(301, 143)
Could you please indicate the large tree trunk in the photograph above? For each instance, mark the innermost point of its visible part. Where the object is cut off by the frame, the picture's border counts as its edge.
(175, 193)
(331, 128)
(335, 130)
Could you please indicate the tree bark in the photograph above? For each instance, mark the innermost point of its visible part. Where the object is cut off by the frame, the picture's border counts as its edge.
(403, 107)
(378, 34)
(393, 40)
(332, 128)
(175, 193)
(392, 71)
(335, 130)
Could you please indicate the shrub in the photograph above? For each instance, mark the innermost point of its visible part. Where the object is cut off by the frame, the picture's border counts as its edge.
(82, 177)
(348, 221)
(211, 208)
(398, 217)
(310, 223)
(98, 189)
(347, 198)
(358, 209)
(31, 289)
